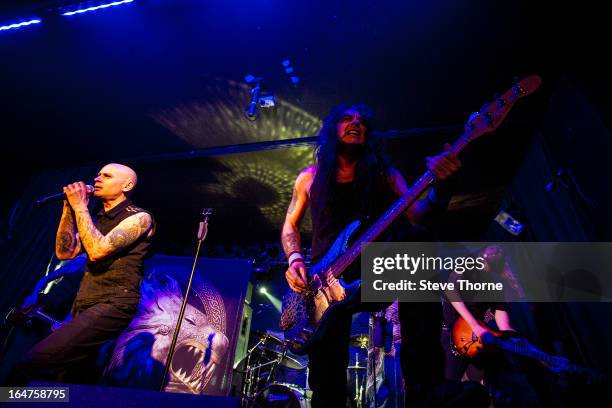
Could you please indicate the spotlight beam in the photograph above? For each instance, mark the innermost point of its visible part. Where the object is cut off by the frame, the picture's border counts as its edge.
(274, 300)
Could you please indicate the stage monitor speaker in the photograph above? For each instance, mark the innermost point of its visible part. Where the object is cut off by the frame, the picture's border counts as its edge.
(245, 328)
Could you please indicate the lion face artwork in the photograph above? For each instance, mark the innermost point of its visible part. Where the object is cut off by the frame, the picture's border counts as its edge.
(141, 350)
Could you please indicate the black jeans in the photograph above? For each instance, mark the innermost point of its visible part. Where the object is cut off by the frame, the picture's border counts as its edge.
(421, 356)
(64, 355)
(327, 364)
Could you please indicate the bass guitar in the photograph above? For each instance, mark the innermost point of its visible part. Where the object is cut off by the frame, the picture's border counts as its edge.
(306, 315)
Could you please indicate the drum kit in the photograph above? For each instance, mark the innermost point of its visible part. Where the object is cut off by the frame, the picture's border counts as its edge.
(272, 376)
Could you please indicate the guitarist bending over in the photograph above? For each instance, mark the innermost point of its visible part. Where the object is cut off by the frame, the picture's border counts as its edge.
(504, 372)
(353, 180)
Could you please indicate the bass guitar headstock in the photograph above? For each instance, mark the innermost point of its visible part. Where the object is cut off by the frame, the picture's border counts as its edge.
(492, 114)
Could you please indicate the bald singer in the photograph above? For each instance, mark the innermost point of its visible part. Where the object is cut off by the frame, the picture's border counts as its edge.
(116, 243)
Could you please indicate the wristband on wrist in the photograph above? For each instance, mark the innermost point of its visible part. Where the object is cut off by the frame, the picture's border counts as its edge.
(295, 256)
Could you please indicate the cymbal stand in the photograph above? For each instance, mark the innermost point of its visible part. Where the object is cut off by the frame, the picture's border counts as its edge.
(358, 387)
(307, 391)
(249, 385)
(247, 382)
(278, 362)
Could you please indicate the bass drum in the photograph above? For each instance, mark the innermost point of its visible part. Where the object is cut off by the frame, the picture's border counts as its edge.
(279, 395)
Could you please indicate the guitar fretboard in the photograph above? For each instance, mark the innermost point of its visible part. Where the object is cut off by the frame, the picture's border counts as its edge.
(519, 347)
(392, 213)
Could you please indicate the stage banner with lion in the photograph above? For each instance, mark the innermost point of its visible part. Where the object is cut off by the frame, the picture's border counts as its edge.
(204, 353)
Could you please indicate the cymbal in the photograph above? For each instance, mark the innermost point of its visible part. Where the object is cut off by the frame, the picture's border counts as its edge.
(288, 360)
(291, 362)
(272, 347)
(356, 367)
(265, 336)
(360, 340)
(258, 333)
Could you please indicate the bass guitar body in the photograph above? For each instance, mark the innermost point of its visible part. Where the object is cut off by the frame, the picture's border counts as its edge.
(306, 316)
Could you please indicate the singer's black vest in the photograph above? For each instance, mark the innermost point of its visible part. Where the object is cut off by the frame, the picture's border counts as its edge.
(116, 278)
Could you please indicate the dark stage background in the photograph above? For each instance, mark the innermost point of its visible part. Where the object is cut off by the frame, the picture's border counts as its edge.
(158, 85)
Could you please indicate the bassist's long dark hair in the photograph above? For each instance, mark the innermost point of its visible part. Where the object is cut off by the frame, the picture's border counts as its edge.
(373, 165)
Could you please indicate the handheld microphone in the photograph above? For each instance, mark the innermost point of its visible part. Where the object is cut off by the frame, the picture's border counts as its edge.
(203, 226)
(59, 197)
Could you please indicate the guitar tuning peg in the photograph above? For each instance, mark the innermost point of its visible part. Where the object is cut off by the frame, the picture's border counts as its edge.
(470, 122)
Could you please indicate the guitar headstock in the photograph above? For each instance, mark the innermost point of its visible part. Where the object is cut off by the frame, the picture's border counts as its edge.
(492, 114)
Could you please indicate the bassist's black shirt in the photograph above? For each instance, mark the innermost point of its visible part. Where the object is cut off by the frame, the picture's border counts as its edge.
(331, 217)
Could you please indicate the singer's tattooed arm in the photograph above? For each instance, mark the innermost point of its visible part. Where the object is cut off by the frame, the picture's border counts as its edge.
(290, 236)
(99, 246)
(67, 243)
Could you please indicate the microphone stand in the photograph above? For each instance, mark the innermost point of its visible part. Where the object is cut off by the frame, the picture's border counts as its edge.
(202, 231)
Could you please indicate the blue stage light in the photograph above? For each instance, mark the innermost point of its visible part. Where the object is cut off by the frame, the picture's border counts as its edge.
(85, 10)
(18, 25)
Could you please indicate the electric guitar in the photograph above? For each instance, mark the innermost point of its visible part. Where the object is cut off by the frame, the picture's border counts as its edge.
(306, 315)
(467, 344)
(22, 317)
